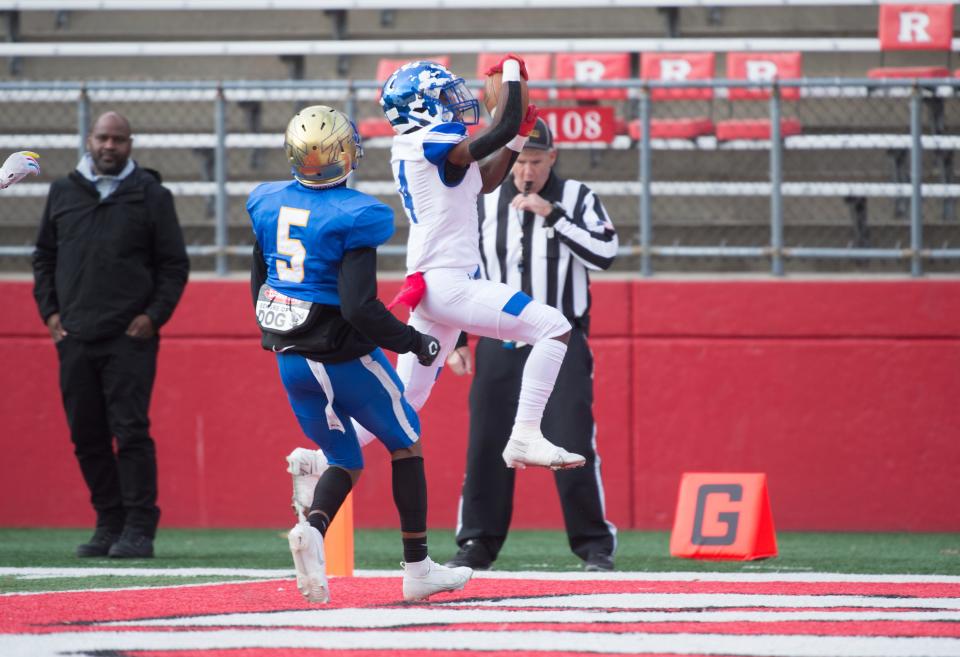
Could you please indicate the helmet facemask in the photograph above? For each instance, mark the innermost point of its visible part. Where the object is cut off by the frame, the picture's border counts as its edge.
(458, 103)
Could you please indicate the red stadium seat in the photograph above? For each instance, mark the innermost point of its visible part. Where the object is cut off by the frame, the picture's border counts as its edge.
(909, 72)
(585, 68)
(755, 128)
(758, 67)
(762, 67)
(689, 128)
(679, 67)
(539, 67)
(914, 27)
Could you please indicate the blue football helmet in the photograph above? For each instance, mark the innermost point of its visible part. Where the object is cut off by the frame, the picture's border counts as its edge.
(424, 92)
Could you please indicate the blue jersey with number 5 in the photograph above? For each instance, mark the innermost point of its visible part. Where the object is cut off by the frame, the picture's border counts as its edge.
(304, 233)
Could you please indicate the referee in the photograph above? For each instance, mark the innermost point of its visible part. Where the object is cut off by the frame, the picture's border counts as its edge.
(542, 234)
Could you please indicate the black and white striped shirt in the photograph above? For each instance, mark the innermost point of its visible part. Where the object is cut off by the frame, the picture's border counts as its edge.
(550, 263)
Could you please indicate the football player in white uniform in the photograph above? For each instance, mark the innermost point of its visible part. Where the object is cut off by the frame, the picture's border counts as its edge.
(17, 167)
(437, 168)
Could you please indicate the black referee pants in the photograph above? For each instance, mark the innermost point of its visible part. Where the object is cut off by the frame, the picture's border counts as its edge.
(106, 387)
(487, 498)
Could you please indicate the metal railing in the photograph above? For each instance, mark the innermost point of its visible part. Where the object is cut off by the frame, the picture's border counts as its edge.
(647, 187)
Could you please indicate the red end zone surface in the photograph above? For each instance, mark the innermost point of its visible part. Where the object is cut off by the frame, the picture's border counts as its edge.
(493, 616)
(843, 392)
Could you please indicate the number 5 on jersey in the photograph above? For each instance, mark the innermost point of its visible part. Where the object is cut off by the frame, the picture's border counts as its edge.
(290, 247)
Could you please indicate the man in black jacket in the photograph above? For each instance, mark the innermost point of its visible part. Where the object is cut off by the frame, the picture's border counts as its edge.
(109, 268)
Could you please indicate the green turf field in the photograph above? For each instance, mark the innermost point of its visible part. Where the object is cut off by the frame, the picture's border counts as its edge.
(525, 550)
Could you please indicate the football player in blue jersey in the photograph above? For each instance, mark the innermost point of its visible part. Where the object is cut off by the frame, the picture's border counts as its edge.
(315, 291)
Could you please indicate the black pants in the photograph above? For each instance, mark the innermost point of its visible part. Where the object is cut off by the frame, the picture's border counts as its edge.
(487, 498)
(106, 388)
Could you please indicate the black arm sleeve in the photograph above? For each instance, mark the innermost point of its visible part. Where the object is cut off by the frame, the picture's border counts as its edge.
(503, 130)
(258, 272)
(359, 305)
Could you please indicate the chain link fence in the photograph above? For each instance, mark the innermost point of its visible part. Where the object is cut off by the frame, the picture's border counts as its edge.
(861, 178)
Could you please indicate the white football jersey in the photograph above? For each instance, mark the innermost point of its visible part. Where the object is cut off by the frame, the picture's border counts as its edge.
(443, 218)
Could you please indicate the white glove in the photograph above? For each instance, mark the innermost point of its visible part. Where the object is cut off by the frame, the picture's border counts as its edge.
(306, 466)
(17, 167)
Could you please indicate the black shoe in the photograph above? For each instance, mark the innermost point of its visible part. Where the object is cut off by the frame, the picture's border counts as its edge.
(99, 545)
(598, 562)
(473, 554)
(133, 544)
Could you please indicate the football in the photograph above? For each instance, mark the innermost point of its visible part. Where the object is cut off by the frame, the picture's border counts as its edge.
(491, 93)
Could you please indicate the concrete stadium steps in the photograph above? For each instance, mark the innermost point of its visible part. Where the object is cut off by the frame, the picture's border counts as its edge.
(184, 25)
(841, 21)
(363, 67)
(607, 22)
(239, 67)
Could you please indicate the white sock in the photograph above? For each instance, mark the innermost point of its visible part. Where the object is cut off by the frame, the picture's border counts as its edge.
(418, 568)
(539, 375)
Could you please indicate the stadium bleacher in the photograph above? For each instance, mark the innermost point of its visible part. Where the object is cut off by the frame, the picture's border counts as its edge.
(842, 146)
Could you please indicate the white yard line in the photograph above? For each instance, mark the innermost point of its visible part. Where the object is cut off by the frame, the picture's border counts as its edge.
(113, 589)
(48, 645)
(37, 573)
(281, 573)
(440, 614)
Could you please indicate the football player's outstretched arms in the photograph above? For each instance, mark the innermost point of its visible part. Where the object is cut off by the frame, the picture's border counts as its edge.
(17, 167)
(509, 120)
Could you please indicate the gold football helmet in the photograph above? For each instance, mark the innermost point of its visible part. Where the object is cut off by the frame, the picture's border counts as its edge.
(322, 145)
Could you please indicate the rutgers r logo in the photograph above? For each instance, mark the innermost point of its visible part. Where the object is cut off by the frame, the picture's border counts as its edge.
(732, 493)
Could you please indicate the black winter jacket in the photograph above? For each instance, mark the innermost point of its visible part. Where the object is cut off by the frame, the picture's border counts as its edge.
(101, 263)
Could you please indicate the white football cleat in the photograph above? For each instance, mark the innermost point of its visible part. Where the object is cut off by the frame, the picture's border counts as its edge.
(306, 546)
(436, 580)
(527, 446)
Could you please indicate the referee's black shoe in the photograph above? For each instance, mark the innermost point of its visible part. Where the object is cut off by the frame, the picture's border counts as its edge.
(598, 562)
(473, 554)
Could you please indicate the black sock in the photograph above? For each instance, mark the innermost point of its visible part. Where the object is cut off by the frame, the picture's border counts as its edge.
(414, 549)
(410, 494)
(332, 489)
